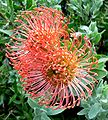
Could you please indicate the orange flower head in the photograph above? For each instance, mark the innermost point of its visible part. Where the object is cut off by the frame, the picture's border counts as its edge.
(55, 65)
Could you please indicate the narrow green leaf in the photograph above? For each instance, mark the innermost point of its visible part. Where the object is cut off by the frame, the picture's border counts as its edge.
(85, 104)
(83, 112)
(97, 37)
(53, 112)
(95, 109)
(101, 73)
(32, 103)
(11, 9)
(13, 98)
(1, 99)
(7, 32)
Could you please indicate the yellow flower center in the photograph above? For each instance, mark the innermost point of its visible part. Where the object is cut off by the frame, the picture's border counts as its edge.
(61, 67)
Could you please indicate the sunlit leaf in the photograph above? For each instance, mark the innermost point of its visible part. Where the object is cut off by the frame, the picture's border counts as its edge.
(7, 32)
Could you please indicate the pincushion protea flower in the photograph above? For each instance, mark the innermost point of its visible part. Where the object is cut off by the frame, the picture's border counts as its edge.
(55, 65)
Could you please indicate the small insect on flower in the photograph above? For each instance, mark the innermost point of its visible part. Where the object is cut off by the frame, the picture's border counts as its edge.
(56, 66)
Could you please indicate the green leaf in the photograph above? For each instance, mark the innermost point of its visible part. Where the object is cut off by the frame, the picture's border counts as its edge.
(53, 112)
(93, 27)
(101, 73)
(101, 66)
(83, 112)
(85, 104)
(13, 98)
(97, 37)
(58, 7)
(44, 116)
(10, 3)
(95, 109)
(103, 59)
(48, 111)
(91, 32)
(37, 111)
(11, 9)
(17, 102)
(32, 103)
(40, 115)
(1, 99)
(105, 91)
(7, 32)
(84, 29)
(28, 3)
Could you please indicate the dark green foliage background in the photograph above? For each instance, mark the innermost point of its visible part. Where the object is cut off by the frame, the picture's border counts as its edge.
(14, 103)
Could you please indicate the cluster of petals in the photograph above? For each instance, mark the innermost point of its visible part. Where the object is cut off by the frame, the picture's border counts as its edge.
(55, 64)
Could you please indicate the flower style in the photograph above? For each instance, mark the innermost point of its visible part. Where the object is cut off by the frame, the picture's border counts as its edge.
(56, 66)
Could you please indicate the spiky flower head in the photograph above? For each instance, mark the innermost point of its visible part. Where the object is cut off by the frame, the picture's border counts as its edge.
(55, 64)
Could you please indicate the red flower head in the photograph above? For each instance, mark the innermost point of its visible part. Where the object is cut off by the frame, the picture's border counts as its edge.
(55, 65)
